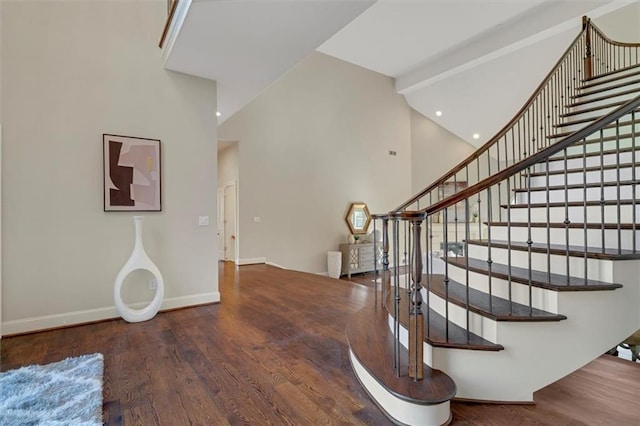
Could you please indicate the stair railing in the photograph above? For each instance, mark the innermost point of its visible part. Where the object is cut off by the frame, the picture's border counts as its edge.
(536, 125)
(618, 208)
(605, 55)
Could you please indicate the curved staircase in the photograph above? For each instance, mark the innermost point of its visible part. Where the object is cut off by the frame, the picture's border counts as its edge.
(545, 280)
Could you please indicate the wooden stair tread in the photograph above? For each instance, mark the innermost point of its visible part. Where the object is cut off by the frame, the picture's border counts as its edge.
(593, 109)
(605, 88)
(577, 185)
(560, 249)
(609, 126)
(588, 169)
(435, 326)
(604, 97)
(574, 122)
(560, 156)
(572, 225)
(493, 307)
(371, 341)
(538, 278)
(573, 204)
(600, 81)
(611, 73)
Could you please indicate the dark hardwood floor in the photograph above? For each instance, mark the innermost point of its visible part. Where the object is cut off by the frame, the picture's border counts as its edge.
(274, 352)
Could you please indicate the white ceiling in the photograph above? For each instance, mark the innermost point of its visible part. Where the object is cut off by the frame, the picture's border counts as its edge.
(393, 37)
(432, 48)
(246, 45)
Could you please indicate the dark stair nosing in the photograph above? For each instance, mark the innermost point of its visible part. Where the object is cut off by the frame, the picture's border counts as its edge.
(609, 126)
(561, 250)
(588, 169)
(605, 89)
(572, 225)
(574, 122)
(572, 204)
(610, 73)
(576, 186)
(593, 109)
(498, 309)
(560, 156)
(435, 328)
(596, 82)
(371, 342)
(539, 279)
(605, 97)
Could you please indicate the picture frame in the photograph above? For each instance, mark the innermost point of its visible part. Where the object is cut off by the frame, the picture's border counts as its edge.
(131, 174)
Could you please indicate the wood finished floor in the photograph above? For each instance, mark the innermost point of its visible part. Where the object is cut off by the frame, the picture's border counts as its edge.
(274, 352)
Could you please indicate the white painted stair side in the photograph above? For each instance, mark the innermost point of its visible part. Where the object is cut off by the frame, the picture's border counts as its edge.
(537, 354)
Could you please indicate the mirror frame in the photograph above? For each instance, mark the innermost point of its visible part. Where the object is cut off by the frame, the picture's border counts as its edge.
(358, 206)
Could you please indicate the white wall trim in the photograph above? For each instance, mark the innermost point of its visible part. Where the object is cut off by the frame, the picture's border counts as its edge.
(275, 265)
(78, 317)
(251, 261)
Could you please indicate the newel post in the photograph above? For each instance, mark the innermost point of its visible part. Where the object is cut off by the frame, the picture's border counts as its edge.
(588, 66)
(416, 320)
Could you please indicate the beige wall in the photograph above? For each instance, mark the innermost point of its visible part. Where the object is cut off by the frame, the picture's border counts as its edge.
(228, 165)
(316, 140)
(622, 24)
(72, 71)
(434, 151)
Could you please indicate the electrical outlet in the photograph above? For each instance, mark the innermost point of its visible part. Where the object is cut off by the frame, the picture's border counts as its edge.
(153, 284)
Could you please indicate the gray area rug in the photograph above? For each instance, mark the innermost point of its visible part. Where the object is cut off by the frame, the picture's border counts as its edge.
(68, 392)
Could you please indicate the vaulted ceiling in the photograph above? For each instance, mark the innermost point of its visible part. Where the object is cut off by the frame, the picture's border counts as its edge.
(450, 56)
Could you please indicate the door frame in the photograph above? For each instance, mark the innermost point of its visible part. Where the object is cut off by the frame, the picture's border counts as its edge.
(236, 253)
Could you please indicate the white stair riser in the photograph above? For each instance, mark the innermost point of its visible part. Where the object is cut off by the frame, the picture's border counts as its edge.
(576, 236)
(591, 161)
(590, 114)
(577, 194)
(578, 177)
(478, 324)
(614, 95)
(594, 141)
(622, 129)
(597, 269)
(576, 214)
(622, 77)
(541, 298)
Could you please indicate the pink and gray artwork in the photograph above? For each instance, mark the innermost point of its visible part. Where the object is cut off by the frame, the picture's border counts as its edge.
(132, 173)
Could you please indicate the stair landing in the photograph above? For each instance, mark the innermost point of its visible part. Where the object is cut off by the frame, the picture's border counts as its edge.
(371, 354)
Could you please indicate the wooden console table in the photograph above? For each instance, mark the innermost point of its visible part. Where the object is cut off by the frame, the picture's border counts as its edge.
(357, 258)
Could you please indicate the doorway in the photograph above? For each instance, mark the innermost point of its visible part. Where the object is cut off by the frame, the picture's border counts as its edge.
(227, 222)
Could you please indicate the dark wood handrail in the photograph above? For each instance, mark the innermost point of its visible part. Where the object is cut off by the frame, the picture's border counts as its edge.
(608, 40)
(500, 133)
(167, 24)
(534, 159)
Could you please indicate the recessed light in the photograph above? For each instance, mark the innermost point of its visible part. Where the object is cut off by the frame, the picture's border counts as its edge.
(439, 113)
(218, 113)
(476, 136)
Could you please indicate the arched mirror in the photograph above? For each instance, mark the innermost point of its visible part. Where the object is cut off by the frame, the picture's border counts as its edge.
(358, 218)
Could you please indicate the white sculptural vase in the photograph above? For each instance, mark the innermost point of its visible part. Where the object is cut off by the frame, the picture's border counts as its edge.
(138, 260)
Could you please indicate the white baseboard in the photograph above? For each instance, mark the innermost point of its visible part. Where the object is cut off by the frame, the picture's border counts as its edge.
(45, 322)
(251, 261)
(276, 265)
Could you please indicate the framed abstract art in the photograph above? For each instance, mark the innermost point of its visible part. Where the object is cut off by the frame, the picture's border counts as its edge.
(132, 178)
